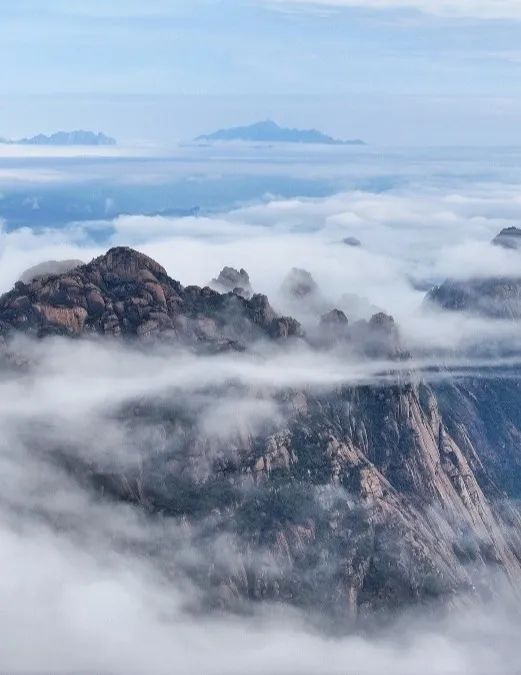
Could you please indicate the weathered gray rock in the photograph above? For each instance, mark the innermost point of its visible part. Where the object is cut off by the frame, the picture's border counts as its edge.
(231, 280)
(497, 298)
(126, 293)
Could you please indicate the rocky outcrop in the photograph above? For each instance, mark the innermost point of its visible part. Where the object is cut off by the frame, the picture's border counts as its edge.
(125, 293)
(509, 237)
(231, 280)
(334, 318)
(493, 297)
(498, 298)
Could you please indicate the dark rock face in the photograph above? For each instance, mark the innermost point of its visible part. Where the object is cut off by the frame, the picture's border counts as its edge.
(334, 318)
(496, 298)
(509, 237)
(362, 499)
(231, 280)
(126, 293)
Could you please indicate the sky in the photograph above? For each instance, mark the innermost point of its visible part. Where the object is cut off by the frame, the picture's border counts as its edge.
(421, 72)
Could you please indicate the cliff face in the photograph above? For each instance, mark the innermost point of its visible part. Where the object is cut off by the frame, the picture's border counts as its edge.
(363, 498)
(349, 500)
(495, 298)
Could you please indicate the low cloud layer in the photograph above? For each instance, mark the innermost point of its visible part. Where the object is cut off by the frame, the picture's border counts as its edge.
(93, 586)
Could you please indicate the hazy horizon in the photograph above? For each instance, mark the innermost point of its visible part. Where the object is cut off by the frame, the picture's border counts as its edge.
(164, 72)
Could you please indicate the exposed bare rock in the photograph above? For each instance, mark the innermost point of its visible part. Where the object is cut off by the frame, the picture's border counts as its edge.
(360, 499)
(497, 298)
(127, 293)
(231, 280)
(334, 318)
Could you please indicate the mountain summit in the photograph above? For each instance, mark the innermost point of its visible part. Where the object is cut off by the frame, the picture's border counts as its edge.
(270, 132)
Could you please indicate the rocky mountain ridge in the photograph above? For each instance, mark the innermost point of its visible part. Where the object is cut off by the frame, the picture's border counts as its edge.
(125, 293)
(349, 500)
(268, 131)
(496, 297)
(65, 138)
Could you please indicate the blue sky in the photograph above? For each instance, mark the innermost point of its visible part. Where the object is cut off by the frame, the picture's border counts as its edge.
(374, 68)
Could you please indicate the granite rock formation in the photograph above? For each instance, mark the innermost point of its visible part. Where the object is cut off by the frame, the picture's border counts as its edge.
(351, 499)
(497, 298)
(231, 280)
(126, 293)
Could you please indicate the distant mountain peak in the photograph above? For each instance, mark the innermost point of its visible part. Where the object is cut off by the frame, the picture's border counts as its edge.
(268, 131)
(509, 237)
(77, 137)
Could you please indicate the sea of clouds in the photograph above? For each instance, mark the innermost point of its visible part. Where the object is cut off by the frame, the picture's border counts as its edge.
(80, 590)
(412, 236)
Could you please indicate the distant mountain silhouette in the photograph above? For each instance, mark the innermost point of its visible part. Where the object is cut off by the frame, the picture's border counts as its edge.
(78, 137)
(269, 131)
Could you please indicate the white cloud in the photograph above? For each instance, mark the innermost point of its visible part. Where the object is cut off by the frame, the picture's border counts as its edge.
(87, 599)
(416, 232)
(479, 9)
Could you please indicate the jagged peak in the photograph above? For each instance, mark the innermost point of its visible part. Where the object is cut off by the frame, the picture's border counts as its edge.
(336, 317)
(232, 280)
(382, 321)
